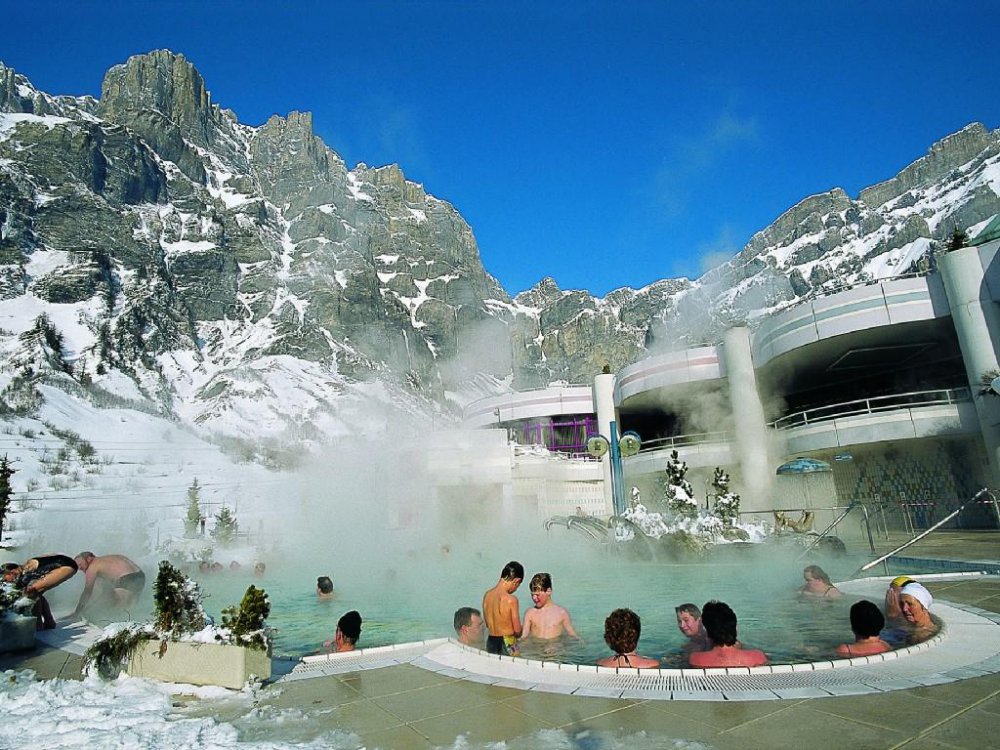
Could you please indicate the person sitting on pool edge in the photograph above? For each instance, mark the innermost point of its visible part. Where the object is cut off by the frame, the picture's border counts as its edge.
(468, 622)
(621, 632)
(867, 622)
(916, 603)
(348, 632)
(817, 584)
(720, 624)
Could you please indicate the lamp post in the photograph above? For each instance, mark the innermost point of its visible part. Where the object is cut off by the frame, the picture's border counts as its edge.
(627, 445)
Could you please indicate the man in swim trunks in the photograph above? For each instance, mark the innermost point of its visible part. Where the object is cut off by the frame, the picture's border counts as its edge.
(125, 578)
(35, 577)
(500, 611)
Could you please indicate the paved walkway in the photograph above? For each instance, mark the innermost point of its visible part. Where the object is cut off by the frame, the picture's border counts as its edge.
(409, 706)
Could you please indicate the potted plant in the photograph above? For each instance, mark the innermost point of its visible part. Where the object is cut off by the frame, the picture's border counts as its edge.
(182, 644)
(17, 624)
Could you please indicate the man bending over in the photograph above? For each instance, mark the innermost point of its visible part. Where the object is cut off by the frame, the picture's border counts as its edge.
(125, 578)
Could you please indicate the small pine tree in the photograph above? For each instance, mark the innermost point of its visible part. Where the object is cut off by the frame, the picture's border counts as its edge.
(6, 493)
(958, 239)
(246, 622)
(193, 517)
(178, 603)
(225, 528)
(678, 492)
(727, 504)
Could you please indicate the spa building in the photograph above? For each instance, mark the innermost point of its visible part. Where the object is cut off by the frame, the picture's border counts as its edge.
(886, 385)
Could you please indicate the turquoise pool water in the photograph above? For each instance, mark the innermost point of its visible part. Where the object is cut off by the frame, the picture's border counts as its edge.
(415, 599)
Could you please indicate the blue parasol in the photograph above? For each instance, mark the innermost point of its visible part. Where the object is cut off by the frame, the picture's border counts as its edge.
(802, 465)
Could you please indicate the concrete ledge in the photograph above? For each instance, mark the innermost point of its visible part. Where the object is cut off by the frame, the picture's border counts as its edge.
(200, 664)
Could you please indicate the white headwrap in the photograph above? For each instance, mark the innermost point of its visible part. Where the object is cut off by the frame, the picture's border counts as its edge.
(918, 592)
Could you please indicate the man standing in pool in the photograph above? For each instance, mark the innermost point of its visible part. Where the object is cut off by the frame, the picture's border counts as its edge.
(546, 620)
(500, 611)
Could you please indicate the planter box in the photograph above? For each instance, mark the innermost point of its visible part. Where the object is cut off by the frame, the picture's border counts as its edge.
(200, 663)
(17, 633)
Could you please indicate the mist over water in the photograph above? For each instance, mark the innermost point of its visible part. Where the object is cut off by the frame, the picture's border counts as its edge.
(411, 527)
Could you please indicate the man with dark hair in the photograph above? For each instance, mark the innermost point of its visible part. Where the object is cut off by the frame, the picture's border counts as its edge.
(348, 632)
(720, 625)
(469, 626)
(867, 622)
(500, 611)
(324, 588)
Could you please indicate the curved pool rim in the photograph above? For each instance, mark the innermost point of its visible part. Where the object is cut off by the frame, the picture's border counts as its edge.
(967, 646)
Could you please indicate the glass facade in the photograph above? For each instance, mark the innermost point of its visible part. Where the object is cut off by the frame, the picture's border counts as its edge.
(562, 434)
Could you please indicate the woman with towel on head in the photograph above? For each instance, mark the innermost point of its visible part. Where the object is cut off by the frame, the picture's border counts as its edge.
(915, 601)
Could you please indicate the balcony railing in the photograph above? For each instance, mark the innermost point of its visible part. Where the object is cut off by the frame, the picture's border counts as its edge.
(676, 441)
(873, 405)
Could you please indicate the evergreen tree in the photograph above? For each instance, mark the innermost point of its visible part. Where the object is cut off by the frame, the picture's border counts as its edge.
(727, 504)
(177, 600)
(193, 517)
(6, 493)
(679, 493)
(225, 527)
(246, 622)
(959, 239)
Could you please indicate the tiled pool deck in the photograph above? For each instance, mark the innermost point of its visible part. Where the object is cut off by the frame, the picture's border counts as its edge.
(944, 695)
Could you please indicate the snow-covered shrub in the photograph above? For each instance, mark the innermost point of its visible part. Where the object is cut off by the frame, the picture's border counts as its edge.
(678, 491)
(727, 504)
(245, 624)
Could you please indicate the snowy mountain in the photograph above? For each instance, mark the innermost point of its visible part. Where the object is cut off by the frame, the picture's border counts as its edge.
(156, 254)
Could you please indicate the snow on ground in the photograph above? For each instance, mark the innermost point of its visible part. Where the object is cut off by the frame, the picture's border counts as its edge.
(136, 713)
(126, 713)
(128, 496)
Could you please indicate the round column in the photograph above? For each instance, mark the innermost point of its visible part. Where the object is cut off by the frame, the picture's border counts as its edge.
(751, 435)
(604, 407)
(977, 324)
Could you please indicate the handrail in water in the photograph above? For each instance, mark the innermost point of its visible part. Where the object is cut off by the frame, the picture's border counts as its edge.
(939, 524)
(853, 504)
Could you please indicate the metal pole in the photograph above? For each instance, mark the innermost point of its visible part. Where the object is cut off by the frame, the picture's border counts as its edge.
(617, 481)
(868, 527)
(920, 536)
(818, 539)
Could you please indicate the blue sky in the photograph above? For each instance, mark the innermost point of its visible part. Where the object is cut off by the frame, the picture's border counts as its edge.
(604, 144)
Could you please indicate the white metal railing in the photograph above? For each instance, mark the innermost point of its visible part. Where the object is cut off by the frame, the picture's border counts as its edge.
(873, 405)
(675, 441)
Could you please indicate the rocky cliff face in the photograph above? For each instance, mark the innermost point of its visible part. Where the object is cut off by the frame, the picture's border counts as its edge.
(247, 280)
